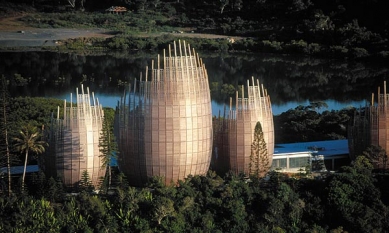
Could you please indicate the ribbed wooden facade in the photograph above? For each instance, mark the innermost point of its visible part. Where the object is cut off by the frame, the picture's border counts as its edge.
(164, 124)
(234, 130)
(359, 131)
(74, 141)
(370, 125)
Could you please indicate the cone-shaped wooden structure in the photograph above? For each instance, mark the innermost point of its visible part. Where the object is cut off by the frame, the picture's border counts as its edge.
(234, 131)
(370, 125)
(164, 124)
(74, 141)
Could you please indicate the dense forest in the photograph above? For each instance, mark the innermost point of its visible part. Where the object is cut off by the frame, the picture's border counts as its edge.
(353, 200)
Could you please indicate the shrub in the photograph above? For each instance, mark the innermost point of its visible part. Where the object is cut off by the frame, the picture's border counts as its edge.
(359, 52)
(226, 28)
(314, 48)
(297, 46)
(118, 42)
(247, 44)
(136, 43)
(76, 44)
(271, 46)
(338, 51)
(383, 54)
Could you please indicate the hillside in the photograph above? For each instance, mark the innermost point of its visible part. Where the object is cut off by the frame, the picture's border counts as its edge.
(309, 27)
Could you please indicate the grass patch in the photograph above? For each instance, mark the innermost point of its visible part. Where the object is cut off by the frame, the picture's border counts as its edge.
(128, 23)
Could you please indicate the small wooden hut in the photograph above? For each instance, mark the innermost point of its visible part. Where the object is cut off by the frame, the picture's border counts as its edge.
(116, 9)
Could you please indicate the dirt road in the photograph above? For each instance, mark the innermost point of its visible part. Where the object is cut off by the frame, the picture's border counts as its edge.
(45, 37)
(14, 33)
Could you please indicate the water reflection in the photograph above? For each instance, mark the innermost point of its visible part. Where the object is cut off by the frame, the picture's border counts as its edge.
(290, 80)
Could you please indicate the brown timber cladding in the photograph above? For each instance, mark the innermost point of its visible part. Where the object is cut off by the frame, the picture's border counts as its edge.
(370, 126)
(74, 141)
(234, 131)
(164, 125)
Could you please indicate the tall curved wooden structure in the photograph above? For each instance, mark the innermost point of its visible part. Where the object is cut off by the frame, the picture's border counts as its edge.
(74, 141)
(235, 135)
(370, 125)
(164, 124)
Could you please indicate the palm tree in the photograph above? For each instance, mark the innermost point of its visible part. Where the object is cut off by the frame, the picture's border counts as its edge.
(29, 140)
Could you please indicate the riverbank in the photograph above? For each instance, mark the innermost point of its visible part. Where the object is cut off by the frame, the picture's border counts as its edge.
(15, 33)
(104, 32)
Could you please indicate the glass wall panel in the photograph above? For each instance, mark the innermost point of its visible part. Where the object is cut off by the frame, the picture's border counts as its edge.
(298, 162)
(278, 163)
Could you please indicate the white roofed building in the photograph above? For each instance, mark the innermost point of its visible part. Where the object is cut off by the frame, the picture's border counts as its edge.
(292, 157)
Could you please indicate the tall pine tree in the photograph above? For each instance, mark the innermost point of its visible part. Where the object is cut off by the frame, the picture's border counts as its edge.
(108, 145)
(259, 158)
(85, 182)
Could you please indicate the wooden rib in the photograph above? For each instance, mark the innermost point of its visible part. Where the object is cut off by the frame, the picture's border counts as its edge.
(64, 111)
(385, 95)
(260, 99)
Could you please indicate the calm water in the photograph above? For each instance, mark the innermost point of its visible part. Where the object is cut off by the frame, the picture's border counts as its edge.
(290, 80)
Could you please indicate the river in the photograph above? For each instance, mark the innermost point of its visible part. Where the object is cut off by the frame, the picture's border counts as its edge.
(289, 80)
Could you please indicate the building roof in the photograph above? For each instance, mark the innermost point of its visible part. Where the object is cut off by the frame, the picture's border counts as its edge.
(113, 162)
(15, 170)
(117, 9)
(326, 148)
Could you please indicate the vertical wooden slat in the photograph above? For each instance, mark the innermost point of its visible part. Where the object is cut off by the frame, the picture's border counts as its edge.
(76, 142)
(173, 130)
(240, 126)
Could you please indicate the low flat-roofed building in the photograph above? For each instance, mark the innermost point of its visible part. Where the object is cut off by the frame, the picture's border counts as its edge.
(292, 157)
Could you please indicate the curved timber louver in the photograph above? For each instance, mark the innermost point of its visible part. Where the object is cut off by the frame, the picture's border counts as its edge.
(74, 141)
(164, 124)
(244, 135)
(370, 125)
